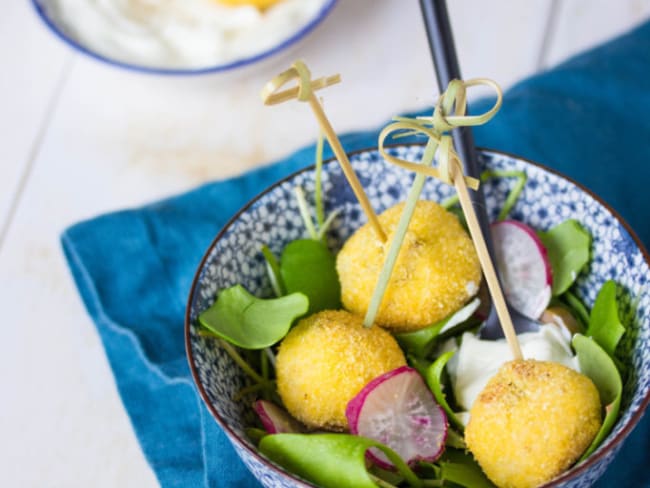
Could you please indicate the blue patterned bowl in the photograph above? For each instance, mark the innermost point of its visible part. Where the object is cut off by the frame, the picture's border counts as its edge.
(548, 199)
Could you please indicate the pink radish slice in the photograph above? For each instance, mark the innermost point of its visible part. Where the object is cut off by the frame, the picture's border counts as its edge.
(398, 410)
(275, 419)
(524, 267)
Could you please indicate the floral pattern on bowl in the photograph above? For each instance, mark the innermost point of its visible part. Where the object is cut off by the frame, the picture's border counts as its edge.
(273, 219)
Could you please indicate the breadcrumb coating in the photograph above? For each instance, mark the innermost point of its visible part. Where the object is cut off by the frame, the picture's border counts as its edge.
(436, 272)
(325, 360)
(532, 421)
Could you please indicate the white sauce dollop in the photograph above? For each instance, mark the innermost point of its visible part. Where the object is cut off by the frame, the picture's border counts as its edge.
(179, 33)
(478, 360)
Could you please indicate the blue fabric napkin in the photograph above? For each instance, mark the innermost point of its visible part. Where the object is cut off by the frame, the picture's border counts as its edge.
(587, 118)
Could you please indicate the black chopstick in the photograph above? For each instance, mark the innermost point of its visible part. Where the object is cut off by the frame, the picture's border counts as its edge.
(443, 53)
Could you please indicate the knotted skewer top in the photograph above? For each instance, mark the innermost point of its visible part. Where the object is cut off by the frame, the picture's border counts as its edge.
(449, 113)
(304, 92)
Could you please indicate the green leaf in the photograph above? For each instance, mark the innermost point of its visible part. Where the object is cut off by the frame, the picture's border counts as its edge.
(433, 376)
(273, 271)
(604, 324)
(255, 434)
(303, 207)
(388, 477)
(514, 193)
(250, 322)
(597, 365)
(454, 439)
(307, 266)
(521, 177)
(460, 468)
(568, 246)
(419, 342)
(576, 305)
(330, 460)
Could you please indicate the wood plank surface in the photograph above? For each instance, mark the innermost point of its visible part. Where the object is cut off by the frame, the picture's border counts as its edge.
(89, 138)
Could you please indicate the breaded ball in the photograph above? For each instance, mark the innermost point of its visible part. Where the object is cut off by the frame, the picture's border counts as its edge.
(532, 421)
(325, 360)
(436, 272)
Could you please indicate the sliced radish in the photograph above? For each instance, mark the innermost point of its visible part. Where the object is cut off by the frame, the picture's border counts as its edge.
(398, 410)
(275, 419)
(524, 267)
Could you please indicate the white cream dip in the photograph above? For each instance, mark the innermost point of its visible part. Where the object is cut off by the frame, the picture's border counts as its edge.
(476, 361)
(179, 33)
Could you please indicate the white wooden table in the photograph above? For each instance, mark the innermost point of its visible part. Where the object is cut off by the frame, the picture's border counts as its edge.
(79, 138)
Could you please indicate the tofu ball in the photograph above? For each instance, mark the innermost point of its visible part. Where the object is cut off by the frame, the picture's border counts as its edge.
(532, 421)
(436, 272)
(325, 360)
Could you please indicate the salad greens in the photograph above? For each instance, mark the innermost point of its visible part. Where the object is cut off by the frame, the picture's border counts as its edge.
(511, 199)
(596, 363)
(460, 468)
(513, 194)
(303, 207)
(308, 266)
(455, 440)
(273, 271)
(568, 247)
(420, 342)
(433, 377)
(330, 460)
(250, 322)
(576, 305)
(305, 280)
(604, 324)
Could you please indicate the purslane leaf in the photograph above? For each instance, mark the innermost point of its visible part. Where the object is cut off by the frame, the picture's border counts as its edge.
(250, 322)
(330, 460)
(604, 323)
(307, 266)
(596, 364)
(433, 377)
(420, 341)
(273, 271)
(568, 246)
(460, 468)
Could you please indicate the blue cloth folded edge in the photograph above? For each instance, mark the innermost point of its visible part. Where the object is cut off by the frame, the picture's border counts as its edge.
(133, 268)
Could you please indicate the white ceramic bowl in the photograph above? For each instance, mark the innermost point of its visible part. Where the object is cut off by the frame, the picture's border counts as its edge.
(66, 32)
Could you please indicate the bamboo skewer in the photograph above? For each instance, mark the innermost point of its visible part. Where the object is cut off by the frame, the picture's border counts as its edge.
(305, 92)
(449, 113)
(445, 61)
(450, 170)
(349, 173)
(484, 258)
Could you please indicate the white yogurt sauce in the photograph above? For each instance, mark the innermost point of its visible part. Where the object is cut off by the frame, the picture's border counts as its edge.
(179, 33)
(478, 360)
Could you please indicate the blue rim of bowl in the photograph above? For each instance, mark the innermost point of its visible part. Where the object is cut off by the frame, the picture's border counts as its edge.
(326, 8)
(602, 451)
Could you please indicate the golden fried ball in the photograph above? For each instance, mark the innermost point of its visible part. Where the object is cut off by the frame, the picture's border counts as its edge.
(436, 272)
(325, 360)
(532, 421)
